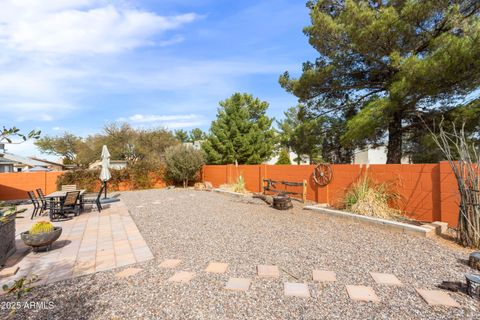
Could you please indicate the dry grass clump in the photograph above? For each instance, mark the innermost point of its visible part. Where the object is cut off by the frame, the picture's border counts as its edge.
(369, 198)
(238, 186)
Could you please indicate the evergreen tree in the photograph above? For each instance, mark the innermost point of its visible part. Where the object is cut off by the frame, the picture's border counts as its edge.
(181, 135)
(302, 133)
(389, 60)
(197, 135)
(283, 157)
(242, 132)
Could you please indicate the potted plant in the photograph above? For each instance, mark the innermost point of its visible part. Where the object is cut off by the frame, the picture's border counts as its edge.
(7, 234)
(41, 234)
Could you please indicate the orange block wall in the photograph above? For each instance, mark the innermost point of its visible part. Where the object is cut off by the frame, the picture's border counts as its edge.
(428, 192)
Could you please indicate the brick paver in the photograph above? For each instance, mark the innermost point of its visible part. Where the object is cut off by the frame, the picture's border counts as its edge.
(89, 243)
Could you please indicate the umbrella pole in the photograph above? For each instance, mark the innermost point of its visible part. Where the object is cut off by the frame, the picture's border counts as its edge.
(105, 197)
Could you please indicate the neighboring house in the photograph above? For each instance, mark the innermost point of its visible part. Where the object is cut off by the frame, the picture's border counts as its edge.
(293, 159)
(197, 145)
(52, 165)
(10, 162)
(6, 165)
(373, 156)
(114, 164)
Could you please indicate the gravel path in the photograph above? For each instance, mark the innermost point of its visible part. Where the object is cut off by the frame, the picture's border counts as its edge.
(199, 227)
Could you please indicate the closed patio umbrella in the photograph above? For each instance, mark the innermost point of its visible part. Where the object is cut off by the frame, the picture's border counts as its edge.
(105, 172)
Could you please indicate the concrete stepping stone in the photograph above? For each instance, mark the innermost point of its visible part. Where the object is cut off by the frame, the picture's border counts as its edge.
(324, 276)
(182, 277)
(296, 290)
(362, 293)
(170, 263)
(266, 271)
(437, 298)
(217, 267)
(238, 284)
(386, 279)
(128, 272)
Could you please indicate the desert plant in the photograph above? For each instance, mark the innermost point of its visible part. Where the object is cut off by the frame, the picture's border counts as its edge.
(183, 163)
(369, 198)
(41, 227)
(21, 286)
(239, 185)
(464, 159)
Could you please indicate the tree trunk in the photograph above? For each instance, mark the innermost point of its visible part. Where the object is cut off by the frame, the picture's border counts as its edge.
(394, 149)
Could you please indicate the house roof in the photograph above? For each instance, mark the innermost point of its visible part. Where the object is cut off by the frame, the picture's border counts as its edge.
(19, 159)
(48, 162)
(6, 161)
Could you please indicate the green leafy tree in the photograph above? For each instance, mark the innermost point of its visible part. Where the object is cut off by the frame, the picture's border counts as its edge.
(181, 135)
(283, 157)
(66, 146)
(389, 60)
(124, 143)
(301, 133)
(183, 163)
(242, 132)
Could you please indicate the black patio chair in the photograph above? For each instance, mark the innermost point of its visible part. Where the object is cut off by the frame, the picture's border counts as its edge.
(67, 205)
(43, 201)
(36, 204)
(95, 200)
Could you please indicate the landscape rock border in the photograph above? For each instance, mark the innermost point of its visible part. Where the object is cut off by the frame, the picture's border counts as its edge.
(387, 224)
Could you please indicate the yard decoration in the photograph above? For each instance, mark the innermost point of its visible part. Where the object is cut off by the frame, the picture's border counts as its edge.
(42, 234)
(269, 185)
(323, 174)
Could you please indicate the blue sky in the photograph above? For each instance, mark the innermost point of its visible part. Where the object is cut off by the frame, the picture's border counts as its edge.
(77, 65)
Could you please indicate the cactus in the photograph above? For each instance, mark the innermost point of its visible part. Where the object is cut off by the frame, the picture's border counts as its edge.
(41, 227)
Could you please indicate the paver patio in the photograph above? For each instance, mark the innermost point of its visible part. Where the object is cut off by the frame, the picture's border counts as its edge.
(91, 242)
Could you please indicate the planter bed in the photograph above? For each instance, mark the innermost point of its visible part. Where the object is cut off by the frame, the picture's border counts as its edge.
(7, 240)
(387, 224)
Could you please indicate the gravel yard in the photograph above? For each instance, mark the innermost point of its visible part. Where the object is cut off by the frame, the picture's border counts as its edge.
(200, 227)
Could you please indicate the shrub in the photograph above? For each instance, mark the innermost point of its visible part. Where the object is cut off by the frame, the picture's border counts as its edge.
(368, 198)
(239, 186)
(41, 227)
(283, 157)
(183, 164)
(140, 175)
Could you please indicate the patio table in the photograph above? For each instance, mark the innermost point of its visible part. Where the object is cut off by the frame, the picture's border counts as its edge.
(57, 195)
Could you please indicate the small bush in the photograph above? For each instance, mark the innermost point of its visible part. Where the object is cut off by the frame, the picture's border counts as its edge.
(368, 198)
(41, 227)
(183, 164)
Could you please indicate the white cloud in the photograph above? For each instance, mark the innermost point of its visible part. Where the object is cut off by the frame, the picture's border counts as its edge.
(52, 53)
(65, 27)
(166, 121)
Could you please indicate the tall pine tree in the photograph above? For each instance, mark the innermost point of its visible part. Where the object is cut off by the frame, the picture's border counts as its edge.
(242, 132)
(390, 60)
